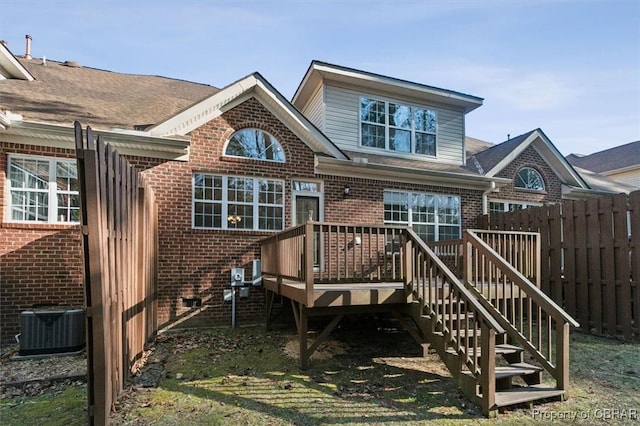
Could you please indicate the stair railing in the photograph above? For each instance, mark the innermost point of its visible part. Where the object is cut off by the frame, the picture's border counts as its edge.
(471, 333)
(529, 316)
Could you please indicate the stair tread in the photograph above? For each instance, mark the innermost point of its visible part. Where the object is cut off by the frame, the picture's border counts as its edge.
(502, 349)
(516, 369)
(519, 395)
(506, 348)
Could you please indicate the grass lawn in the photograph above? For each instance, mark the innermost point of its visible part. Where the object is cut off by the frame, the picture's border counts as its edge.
(366, 373)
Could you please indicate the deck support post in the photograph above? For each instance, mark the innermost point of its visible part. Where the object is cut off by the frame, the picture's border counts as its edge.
(269, 297)
(303, 329)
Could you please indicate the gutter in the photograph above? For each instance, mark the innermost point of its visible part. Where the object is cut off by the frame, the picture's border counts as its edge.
(127, 142)
(365, 170)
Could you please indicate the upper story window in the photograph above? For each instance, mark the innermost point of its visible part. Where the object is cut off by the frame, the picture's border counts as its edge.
(256, 144)
(43, 190)
(397, 127)
(529, 178)
(232, 202)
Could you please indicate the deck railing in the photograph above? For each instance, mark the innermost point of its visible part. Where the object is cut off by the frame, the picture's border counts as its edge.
(529, 316)
(468, 328)
(336, 253)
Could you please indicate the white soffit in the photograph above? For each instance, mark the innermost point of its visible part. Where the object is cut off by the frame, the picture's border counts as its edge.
(231, 96)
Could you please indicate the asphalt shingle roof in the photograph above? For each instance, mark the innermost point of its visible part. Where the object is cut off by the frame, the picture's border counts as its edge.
(489, 158)
(614, 158)
(103, 99)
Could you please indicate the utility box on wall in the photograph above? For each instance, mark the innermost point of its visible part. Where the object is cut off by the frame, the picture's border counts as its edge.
(51, 330)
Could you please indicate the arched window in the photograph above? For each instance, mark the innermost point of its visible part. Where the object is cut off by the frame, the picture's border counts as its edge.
(529, 178)
(256, 144)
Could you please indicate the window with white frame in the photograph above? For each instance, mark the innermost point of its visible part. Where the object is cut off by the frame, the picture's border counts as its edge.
(529, 178)
(397, 127)
(234, 202)
(434, 217)
(256, 144)
(508, 206)
(43, 189)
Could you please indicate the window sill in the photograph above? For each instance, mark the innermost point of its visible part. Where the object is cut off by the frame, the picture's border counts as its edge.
(531, 191)
(40, 226)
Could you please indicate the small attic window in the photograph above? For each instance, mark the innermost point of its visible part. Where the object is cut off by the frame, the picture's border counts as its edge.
(529, 178)
(256, 144)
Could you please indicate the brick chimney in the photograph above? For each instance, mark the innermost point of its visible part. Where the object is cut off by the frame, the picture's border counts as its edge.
(27, 53)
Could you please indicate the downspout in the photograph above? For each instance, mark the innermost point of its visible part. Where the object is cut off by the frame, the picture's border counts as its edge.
(485, 200)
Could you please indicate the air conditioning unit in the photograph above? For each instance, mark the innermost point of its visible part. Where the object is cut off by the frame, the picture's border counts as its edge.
(52, 330)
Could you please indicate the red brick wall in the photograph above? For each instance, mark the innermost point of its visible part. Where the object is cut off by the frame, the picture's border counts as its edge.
(196, 263)
(193, 262)
(530, 158)
(38, 263)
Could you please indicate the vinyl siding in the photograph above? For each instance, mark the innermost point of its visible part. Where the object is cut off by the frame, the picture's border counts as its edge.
(314, 109)
(630, 177)
(341, 123)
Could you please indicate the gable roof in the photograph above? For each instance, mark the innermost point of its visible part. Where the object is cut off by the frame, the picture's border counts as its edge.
(491, 161)
(616, 158)
(63, 92)
(256, 86)
(603, 184)
(318, 71)
(10, 67)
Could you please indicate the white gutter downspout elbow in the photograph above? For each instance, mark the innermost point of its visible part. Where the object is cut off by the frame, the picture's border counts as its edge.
(485, 203)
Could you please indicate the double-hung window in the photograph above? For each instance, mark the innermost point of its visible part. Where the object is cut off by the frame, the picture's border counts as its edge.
(234, 202)
(434, 217)
(43, 190)
(397, 127)
(509, 206)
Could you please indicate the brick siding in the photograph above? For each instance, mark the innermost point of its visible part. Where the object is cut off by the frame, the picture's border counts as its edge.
(195, 263)
(530, 158)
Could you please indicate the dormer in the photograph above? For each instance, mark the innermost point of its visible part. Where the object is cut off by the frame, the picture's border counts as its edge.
(368, 113)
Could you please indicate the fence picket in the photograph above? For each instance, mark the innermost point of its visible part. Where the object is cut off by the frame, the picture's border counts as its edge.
(590, 258)
(120, 255)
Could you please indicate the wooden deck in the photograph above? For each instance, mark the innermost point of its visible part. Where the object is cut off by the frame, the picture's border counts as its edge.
(335, 270)
(339, 294)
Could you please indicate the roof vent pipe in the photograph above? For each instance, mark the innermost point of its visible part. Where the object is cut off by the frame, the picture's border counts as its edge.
(27, 53)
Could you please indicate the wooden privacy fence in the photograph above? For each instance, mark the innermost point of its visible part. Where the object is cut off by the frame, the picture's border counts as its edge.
(590, 253)
(119, 225)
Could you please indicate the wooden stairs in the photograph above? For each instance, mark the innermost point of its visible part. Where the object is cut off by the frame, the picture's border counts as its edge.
(504, 341)
(516, 382)
(498, 337)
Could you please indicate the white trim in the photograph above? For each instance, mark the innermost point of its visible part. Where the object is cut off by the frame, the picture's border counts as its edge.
(365, 170)
(15, 69)
(506, 203)
(226, 144)
(255, 86)
(549, 154)
(224, 203)
(139, 144)
(318, 71)
(318, 194)
(51, 190)
(388, 126)
(436, 223)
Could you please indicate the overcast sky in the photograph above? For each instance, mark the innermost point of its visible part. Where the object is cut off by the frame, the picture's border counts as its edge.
(570, 67)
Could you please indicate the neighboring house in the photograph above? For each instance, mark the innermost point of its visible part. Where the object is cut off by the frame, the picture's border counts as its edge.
(620, 163)
(234, 165)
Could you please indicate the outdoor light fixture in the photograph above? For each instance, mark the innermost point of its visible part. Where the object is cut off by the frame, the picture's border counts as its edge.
(345, 191)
